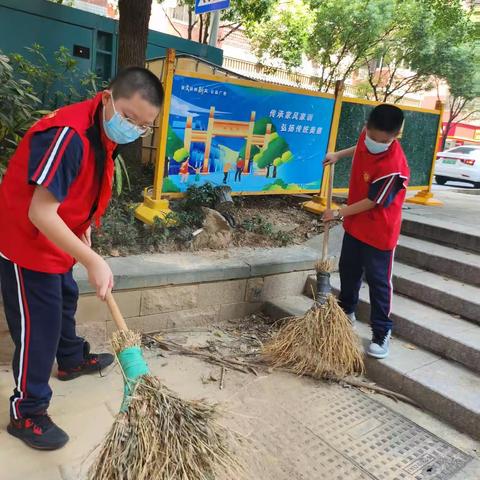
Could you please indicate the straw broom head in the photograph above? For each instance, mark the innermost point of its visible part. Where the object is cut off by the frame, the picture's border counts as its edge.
(160, 436)
(320, 343)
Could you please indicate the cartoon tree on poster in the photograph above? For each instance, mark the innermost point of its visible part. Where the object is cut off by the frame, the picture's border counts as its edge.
(175, 149)
(259, 128)
(274, 155)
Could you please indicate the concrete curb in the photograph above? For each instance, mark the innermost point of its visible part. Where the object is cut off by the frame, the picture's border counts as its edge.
(184, 268)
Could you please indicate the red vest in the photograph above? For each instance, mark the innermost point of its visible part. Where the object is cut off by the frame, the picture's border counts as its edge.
(20, 241)
(380, 226)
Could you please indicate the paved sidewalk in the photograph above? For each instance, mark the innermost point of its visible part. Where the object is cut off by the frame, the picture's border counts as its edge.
(292, 428)
(459, 209)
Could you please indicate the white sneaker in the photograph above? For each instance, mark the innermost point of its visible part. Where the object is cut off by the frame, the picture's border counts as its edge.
(353, 319)
(377, 350)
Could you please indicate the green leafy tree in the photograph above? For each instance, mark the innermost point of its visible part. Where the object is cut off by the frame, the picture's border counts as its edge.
(241, 14)
(175, 149)
(274, 155)
(333, 34)
(259, 128)
(284, 36)
(422, 42)
(462, 74)
(399, 44)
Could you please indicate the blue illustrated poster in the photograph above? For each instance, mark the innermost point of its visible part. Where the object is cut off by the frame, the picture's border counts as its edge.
(253, 139)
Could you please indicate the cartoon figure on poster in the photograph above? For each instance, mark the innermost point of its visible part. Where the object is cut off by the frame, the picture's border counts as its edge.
(252, 139)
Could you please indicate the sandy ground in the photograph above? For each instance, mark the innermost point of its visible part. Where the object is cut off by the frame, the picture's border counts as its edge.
(288, 428)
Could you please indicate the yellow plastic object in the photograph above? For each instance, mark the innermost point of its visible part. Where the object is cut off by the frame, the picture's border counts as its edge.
(318, 205)
(425, 197)
(151, 209)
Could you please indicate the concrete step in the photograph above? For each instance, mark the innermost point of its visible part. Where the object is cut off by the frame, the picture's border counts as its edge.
(457, 264)
(441, 386)
(443, 232)
(436, 331)
(441, 292)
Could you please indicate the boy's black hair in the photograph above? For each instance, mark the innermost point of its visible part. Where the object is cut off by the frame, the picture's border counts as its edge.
(386, 118)
(131, 80)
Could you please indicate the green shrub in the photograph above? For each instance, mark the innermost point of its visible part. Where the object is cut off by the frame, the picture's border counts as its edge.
(202, 196)
(55, 83)
(30, 88)
(18, 110)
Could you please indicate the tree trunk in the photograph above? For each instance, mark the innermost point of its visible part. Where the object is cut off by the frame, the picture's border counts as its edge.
(274, 172)
(200, 30)
(446, 131)
(268, 171)
(133, 34)
(206, 29)
(190, 23)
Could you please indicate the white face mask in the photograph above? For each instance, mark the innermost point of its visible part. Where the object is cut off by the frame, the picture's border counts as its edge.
(376, 147)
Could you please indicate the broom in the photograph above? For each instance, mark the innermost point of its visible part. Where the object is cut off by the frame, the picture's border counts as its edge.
(321, 343)
(157, 435)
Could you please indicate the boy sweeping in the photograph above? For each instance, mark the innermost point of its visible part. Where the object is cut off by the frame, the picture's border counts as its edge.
(58, 181)
(372, 219)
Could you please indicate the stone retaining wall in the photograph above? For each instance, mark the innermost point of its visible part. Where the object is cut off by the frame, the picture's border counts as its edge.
(160, 292)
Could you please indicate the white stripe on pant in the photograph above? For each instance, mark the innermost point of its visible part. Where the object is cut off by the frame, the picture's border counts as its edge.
(22, 350)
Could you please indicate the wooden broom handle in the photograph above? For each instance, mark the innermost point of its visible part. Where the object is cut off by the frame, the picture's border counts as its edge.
(115, 312)
(326, 233)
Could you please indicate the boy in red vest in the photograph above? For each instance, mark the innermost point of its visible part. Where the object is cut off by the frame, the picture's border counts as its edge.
(372, 219)
(58, 181)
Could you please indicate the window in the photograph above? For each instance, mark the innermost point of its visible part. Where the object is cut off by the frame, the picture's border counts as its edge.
(180, 14)
(465, 150)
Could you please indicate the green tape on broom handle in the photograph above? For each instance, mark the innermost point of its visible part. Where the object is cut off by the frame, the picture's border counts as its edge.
(133, 366)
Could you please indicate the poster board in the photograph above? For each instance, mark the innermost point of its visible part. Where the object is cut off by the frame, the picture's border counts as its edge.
(418, 139)
(255, 137)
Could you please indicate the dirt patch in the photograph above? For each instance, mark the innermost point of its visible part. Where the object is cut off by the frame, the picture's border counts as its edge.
(260, 221)
(274, 221)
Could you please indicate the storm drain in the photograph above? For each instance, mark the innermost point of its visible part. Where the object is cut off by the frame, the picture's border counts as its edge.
(340, 434)
(377, 439)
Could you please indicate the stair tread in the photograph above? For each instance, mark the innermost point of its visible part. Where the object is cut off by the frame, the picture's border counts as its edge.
(458, 289)
(451, 225)
(437, 321)
(442, 251)
(445, 377)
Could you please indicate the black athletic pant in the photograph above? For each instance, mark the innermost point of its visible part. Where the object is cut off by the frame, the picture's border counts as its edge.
(40, 310)
(357, 259)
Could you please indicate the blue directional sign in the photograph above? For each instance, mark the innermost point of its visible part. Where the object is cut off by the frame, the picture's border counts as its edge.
(205, 6)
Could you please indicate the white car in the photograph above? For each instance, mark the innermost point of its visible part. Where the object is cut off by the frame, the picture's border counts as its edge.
(459, 164)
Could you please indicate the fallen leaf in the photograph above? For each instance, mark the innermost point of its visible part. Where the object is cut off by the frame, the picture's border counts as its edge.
(410, 346)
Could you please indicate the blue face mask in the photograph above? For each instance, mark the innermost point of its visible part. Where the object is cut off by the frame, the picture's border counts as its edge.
(119, 130)
(376, 147)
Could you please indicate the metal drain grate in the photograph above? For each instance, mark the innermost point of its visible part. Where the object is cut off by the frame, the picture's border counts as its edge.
(331, 433)
(381, 441)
